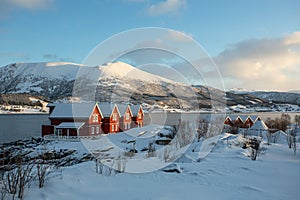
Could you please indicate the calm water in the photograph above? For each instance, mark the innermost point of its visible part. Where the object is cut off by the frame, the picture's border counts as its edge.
(22, 126)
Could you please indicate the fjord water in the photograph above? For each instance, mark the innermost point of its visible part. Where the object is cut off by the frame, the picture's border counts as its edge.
(20, 126)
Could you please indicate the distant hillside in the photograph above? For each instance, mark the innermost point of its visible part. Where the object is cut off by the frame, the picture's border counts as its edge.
(119, 82)
(279, 97)
(21, 99)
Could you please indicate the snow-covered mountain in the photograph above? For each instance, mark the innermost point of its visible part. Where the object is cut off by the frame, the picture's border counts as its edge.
(119, 82)
(56, 79)
(279, 97)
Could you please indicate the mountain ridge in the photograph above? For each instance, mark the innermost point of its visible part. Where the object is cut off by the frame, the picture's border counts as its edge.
(118, 82)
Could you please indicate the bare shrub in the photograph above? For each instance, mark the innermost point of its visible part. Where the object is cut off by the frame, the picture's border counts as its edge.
(254, 144)
(281, 123)
(119, 164)
(202, 128)
(167, 154)
(184, 135)
(151, 150)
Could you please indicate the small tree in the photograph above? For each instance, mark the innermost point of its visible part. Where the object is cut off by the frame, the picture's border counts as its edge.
(285, 121)
(297, 120)
(202, 128)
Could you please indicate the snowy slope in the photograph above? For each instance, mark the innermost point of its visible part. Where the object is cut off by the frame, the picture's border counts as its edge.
(45, 78)
(124, 70)
(226, 173)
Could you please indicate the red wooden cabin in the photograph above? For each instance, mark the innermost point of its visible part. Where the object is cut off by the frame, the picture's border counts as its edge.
(241, 121)
(76, 119)
(137, 115)
(228, 121)
(111, 117)
(126, 117)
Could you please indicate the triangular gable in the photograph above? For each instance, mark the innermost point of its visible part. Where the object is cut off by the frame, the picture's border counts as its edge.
(123, 108)
(107, 108)
(135, 109)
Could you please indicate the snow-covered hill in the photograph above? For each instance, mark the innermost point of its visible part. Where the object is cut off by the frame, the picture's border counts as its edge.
(118, 82)
(44, 78)
(289, 97)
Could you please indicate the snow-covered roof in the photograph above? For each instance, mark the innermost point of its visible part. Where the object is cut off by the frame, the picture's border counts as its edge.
(72, 110)
(253, 117)
(107, 108)
(122, 108)
(259, 125)
(244, 117)
(232, 117)
(135, 109)
(74, 125)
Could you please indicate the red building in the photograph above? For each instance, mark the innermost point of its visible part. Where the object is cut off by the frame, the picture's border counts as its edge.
(111, 117)
(91, 119)
(76, 119)
(126, 117)
(240, 121)
(137, 115)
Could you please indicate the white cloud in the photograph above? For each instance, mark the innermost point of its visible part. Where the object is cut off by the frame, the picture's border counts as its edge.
(265, 64)
(166, 7)
(179, 36)
(8, 6)
(31, 4)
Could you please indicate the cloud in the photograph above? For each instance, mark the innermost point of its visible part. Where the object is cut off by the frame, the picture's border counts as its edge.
(264, 64)
(7, 6)
(166, 7)
(30, 4)
(179, 36)
(54, 57)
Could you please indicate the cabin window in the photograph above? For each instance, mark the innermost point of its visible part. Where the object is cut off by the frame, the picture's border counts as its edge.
(114, 117)
(92, 130)
(127, 116)
(112, 127)
(116, 127)
(97, 130)
(95, 118)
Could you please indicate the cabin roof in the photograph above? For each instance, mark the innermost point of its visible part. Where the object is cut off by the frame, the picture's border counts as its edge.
(135, 109)
(73, 110)
(259, 125)
(122, 109)
(244, 117)
(74, 125)
(107, 108)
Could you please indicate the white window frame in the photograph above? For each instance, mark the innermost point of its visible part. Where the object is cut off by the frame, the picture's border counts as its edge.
(114, 117)
(92, 130)
(97, 129)
(127, 116)
(112, 127)
(95, 118)
(116, 127)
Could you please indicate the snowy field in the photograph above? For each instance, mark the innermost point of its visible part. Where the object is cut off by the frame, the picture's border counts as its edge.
(225, 173)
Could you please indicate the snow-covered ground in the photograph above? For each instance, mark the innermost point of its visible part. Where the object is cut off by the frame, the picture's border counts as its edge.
(225, 173)
(16, 109)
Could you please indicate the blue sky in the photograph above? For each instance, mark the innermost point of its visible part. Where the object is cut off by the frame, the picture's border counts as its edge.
(67, 30)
